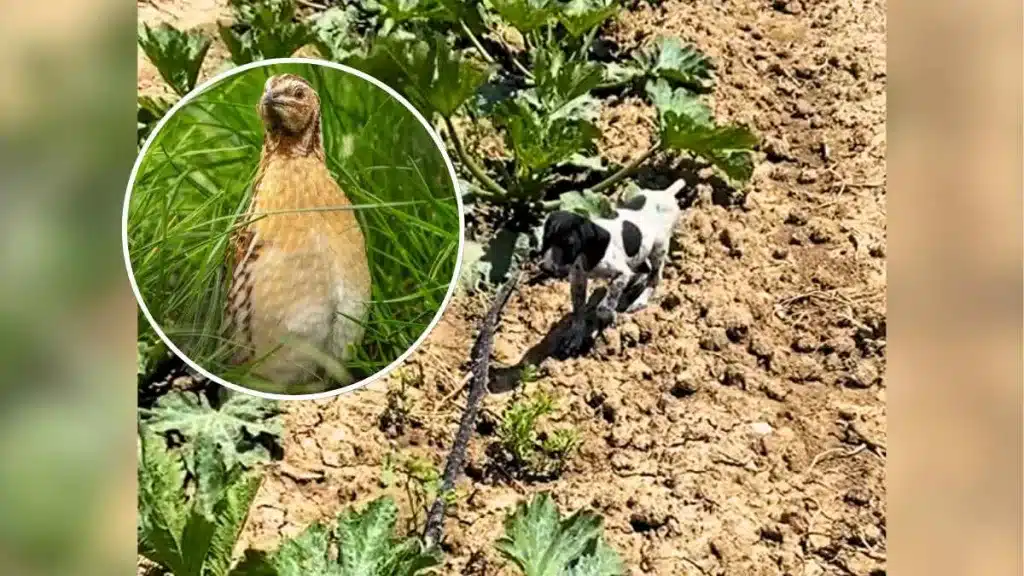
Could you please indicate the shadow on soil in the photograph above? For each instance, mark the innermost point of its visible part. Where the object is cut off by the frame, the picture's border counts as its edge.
(556, 343)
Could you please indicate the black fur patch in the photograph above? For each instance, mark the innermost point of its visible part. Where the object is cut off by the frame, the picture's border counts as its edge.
(631, 238)
(596, 241)
(568, 235)
(642, 268)
(637, 202)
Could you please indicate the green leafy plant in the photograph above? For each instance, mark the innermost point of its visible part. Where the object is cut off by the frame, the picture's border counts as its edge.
(361, 543)
(544, 98)
(526, 15)
(435, 78)
(264, 29)
(687, 125)
(196, 535)
(177, 55)
(540, 542)
(190, 536)
(582, 16)
(679, 64)
(234, 423)
(530, 451)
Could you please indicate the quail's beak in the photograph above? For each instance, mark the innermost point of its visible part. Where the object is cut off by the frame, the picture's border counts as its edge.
(269, 100)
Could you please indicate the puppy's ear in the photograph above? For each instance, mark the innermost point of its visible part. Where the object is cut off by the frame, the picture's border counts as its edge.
(562, 236)
(547, 236)
(592, 241)
(556, 225)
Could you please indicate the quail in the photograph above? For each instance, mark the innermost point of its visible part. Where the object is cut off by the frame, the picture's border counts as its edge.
(300, 284)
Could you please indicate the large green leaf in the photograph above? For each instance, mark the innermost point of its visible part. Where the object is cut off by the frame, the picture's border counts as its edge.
(223, 496)
(229, 515)
(264, 29)
(428, 72)
(307, 555)
(162, 512)
(602, 560)
(365, 546)
(231, 427)
(586, 203)
(677, 101)
(432, 11)
(686, 124)
(582, 16)
(366, 537)
(615, 73)
(177, 55)
(541, 142)
(540, 543)
(525, 15)
(560, 80)
(682, 65)
(194, 538)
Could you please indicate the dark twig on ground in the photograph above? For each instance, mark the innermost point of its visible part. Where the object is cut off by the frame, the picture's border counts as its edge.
(480, 359)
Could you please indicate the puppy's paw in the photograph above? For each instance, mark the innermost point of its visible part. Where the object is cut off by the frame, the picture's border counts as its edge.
(574, 342)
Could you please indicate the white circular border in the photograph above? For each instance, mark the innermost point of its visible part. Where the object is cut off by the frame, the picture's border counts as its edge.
(455, 189)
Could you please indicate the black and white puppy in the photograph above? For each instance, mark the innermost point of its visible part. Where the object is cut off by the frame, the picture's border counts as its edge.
(628, 248)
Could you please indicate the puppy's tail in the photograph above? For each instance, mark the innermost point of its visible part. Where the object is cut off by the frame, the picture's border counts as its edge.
(666, 199)
(675, 188)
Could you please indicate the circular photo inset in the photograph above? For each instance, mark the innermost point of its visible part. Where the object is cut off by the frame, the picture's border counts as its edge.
(293, 228)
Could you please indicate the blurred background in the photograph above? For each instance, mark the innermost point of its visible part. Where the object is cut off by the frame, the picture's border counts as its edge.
(67, 316)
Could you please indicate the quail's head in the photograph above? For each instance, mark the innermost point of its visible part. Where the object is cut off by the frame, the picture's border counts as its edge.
(289, 106)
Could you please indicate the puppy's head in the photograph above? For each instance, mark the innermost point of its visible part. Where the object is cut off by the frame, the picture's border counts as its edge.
(568, 236)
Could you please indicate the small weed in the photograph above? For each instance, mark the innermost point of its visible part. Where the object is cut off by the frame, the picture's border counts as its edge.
(529, 374)
(421, 481)
(396, 419)
(530, 451)
(560, 444)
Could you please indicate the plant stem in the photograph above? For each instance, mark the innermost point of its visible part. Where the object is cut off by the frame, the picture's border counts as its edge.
(472, 38)
(586, 42)
(627, 169)
(481, 360)
(479, 46)
(489, 184)
(526, 72)
(614, 85)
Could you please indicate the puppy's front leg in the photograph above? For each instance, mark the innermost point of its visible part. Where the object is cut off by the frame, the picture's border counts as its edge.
(577, 336)
(578, 293)
(606, 309)
(657, 262)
